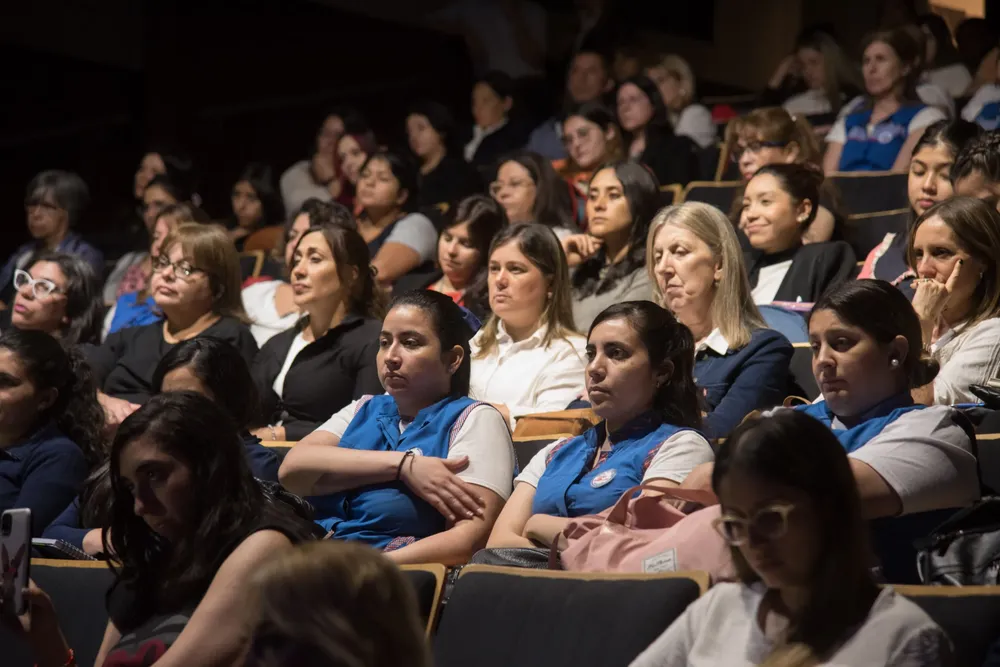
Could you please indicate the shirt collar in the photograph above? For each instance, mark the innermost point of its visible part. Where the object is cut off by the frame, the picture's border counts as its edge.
(535, 338)
(715, 342)
(485, 132)
(20, 450)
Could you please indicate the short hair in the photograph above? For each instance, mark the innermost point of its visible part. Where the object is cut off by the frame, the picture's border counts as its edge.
(405, 173)
(261, 179)
(211, 250)
(553, 203)
(733, 309)
(499, 82)
(981, 153)
(66, 189)
(83, 297)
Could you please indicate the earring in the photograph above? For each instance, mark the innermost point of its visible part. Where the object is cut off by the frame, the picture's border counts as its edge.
(894, 362)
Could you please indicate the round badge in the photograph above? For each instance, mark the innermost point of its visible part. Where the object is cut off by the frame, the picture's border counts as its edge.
(416, 451)
(603, 478)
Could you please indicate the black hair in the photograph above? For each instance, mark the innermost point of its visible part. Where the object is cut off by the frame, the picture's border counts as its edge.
(954, 134)
(801, 181)
(179, 190)
(946, 53)
(769, 450)
(441, 119)
(404, 171)
(485, 218)
(499, 82)
(180, 172)
(553, 203)
(226, 502)
(321, 213)
(75, 411)
(667, 341)
(261, 179)
(67, 190)
(981, 153)
(882, 312)
(223, 371)
(83, 297)
(658, 127)
(642, 193)
(450, 327)
(350, 251)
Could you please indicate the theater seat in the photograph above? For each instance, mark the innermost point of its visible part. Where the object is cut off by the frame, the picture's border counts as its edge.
(989, 460)
(865, 231)
(720, 195)
(498, 617)
(670, 194)
(526, 448)
(266, 239)
(802, 374)
(870, 191)
(77, 589)
(428, 583)
(969, 614)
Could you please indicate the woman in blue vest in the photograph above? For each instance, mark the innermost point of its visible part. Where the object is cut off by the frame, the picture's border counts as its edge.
(880, 133)
(639, 382)
(421, 471)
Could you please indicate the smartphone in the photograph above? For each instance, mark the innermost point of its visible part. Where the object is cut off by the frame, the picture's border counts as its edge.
(15, 558)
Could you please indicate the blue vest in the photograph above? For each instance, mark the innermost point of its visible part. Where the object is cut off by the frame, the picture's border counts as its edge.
(876, 151)
(989, 116)
(872, 423)
(378, 514)
(569, 487)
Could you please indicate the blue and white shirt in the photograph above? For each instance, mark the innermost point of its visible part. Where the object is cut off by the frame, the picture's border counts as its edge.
(984, 107)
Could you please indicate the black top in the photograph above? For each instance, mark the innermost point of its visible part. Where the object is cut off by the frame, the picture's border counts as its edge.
(510, 137)
(672, 158)
(815, 268)
(326, 374)
(125, 362)
(450, 181)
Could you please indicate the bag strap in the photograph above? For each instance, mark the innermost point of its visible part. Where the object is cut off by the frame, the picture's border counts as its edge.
(619, 512)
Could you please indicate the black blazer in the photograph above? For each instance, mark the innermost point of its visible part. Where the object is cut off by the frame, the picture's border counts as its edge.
(510, 137)
(326, 375)
(672, 158)
(815, 268)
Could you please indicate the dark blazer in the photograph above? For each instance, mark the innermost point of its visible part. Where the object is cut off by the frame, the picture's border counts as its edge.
(815, 268)
(325, 376)
(672, 158)
(450, 181)
(510, 137)
(741, 381)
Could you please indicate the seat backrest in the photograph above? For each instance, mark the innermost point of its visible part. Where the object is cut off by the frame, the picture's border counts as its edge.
(77, 589)
(428, 583)
(526, 448)
(720, 195)
(788, 323)
(969, 614)
(870, 191)
(670, 194)
(802, 374)
(989, 460)
(865, 231)
(265, 239)
(497, 617)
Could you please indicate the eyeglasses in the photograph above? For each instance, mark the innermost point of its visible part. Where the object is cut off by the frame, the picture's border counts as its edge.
(41, 287)
(496, 187)
(183, 268)
(755, 147)
(579, 135)
(767, 523)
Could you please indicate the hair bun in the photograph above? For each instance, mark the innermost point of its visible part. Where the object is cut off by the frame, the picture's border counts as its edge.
(924, 371)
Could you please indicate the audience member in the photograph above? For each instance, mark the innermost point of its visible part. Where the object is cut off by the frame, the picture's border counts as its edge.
(976, 41)
(953, 248)
(51, 425)
(270, 304)
(779, 204)
(877, 132)
(587, 82)
(399, 239)
(592, 138)
(421, 471)
(675, 81)
(54, 203)
(774, 136)
(58, 294)
(320, 177)
(206, 366)
(976, 172)
(527, 358)
(695, 264)
(649, 137)
(622, 199)
(256, 203)
(928, 183)
(942, 65)
(334, 604)
(639, 382)
(306, 374)
(353, 150)
(494, 132)
(983, 108)
(444, 176)
(792, 516)
(820, 65)
(463, 254)
(196, 285)
(529, 190)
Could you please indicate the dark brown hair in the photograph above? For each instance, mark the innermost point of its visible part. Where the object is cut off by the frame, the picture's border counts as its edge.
(800, 181)
(350, 252)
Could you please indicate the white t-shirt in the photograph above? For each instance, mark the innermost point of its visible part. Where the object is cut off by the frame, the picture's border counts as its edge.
(297, 185)
(986, 94)
(527, 376)
(258, 301)
(416, 231)
(971, 357)
(298, 344)
(721, 629)
(769, 281)
(483, 437)
(695, 122)
(953, 79)
(926, 116)
(809, 103)
(674, 460)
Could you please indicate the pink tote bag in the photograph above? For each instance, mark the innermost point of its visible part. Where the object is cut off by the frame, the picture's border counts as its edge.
(646, 534)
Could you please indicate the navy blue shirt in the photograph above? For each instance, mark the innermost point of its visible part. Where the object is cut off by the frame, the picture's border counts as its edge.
(740, 381)
(43, 474)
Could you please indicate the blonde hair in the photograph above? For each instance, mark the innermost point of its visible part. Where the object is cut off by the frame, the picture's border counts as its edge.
(733, 310)
(209, 248)
(340, 604)
(679, 69)
(542, 248)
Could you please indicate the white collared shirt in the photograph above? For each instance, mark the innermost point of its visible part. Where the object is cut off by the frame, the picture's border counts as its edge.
(527, 376)
(769, 282)
(970, 356)
(715, 342)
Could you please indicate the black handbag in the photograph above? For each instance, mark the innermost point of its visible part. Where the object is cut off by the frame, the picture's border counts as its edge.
(965, 549)
(536, 559)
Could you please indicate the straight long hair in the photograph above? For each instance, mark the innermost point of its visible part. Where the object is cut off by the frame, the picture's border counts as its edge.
(485, 218)
(733, 311)
(350, 255)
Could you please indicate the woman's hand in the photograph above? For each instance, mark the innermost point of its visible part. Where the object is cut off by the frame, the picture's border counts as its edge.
(323, 168)
(115, 409)
(270, 433)
(580, 247)
(931, 298)
(435, 481)
(787, 67)
(39, 626)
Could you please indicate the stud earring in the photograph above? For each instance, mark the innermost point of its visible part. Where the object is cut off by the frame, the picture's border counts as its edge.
(894, 362)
